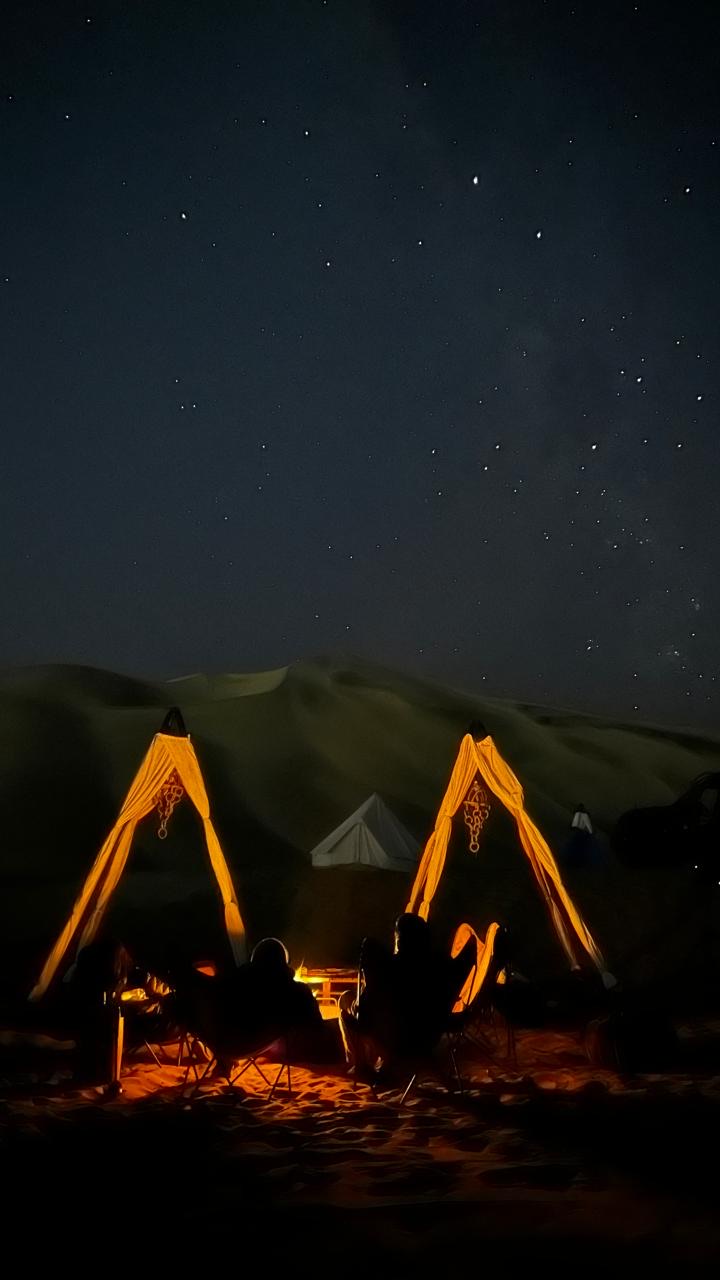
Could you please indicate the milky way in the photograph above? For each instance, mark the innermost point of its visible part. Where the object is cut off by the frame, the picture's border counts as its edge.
(377, 329)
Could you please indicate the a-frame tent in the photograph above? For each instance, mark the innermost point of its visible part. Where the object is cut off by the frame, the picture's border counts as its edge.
(479, 755)
(371, 837)
(170, 759)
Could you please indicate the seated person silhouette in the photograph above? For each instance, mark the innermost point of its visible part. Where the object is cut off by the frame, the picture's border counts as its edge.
(269, 995)
(245, 1011)
(405, 1000)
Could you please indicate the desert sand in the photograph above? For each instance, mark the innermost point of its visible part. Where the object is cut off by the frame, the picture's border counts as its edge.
(551, 1161)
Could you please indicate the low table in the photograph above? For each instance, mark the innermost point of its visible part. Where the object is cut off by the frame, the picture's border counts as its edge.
(327, 986)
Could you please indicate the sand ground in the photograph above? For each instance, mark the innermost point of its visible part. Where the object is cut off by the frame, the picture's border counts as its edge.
(553, 1162)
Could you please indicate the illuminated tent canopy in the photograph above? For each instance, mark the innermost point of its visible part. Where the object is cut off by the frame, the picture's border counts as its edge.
(169, 770)
(371, 837)
(478, 755)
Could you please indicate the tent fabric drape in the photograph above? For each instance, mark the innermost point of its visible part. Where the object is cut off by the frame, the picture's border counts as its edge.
(166, 753)
(483, 757)
(476, 978)
(186, 764)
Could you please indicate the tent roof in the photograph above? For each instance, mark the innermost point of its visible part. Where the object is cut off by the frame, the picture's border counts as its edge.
(372, 836)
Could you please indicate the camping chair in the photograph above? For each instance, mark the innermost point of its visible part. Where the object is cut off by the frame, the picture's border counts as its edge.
(460, 1028)
(415, 1067)
(157, 1045)
(237, 1053)
(463, 1030)
(477, 1000)
(439, 1060)
(151, 1026)
(211, 1037)
(191, 1051)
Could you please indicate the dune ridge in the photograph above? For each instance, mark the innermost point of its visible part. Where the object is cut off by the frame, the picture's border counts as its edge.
(286, 755)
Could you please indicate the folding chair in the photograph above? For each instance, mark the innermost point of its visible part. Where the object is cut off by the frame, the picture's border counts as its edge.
(474, 1000)
(193, 1047)
(463, 1031)
(427, 1064)
(236, 1053)
(141, 1044)
(409, 1068)
(156, 1046)
(457, 1033)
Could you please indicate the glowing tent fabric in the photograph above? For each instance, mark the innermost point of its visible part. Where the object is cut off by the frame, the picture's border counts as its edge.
(484, 950)
(167, 754)
(483, 757)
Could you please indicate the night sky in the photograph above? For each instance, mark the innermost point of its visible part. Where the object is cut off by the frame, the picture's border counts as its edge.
(387, 329)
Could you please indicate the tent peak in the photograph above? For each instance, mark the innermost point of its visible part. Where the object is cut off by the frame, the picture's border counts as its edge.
(174, 725)
(372, 836)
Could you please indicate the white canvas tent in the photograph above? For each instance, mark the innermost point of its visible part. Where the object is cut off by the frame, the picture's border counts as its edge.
(371, 837)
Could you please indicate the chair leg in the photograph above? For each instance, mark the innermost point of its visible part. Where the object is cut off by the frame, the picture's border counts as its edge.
(456, 1069)
(186, 1044)
(285, 1066)
(408, 1088)
(190, 1064)
(152, 1053)
(199, 1075)
(274, 1085)
(251, 1062)
(191, 1043)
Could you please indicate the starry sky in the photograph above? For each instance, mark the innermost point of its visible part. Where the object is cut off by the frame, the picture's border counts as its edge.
(375, 328)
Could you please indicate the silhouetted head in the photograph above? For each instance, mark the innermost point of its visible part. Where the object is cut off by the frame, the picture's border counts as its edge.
(477, 730)
(270, 956)
(580, 808)
(412, 934)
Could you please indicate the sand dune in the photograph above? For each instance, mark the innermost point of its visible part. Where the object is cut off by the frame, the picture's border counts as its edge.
(286, 755)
